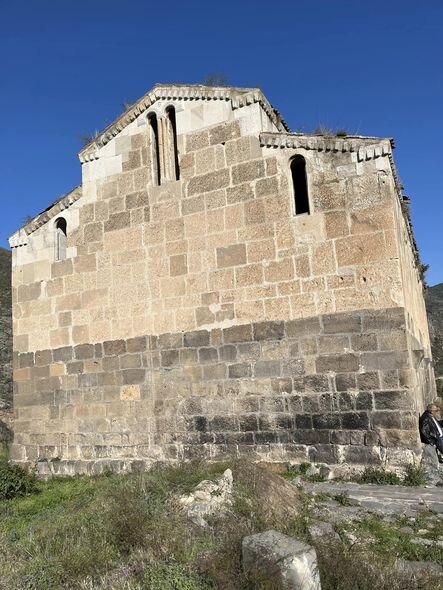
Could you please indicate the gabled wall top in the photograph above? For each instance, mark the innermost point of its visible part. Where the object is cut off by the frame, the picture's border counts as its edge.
(20, 237)
(239, 98)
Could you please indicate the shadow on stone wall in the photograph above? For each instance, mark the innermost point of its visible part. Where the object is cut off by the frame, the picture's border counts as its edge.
(5, 331)
(6, 433)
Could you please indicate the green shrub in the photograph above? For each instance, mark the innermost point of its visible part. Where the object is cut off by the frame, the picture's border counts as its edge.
(414, 476)
(15, 481)
(380, 477)
(302, 470)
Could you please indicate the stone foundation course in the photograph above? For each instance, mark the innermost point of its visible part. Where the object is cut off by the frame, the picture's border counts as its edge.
(336, 389)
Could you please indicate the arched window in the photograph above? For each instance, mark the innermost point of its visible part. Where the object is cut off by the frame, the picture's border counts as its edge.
(172, 143)
(61, 239)
(300, 185)
(155, 148)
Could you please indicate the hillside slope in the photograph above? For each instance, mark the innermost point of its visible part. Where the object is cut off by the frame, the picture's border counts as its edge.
(434, 306)
(5, 330)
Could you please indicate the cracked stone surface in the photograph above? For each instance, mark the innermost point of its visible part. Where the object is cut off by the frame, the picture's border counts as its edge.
(382, 499)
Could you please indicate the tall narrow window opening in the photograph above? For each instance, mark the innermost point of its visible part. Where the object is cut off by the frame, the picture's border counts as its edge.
(61, 239)
(155, 148)
(173, 150)
(300, 185)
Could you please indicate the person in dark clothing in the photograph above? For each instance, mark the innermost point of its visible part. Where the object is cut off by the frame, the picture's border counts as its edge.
(431, 429)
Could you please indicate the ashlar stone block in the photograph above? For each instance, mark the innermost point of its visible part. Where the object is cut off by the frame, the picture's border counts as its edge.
(248, 171)
(233, 255)
(130, 393)
(208, 182)
(360, 249)
(242, 149)
(225, 132)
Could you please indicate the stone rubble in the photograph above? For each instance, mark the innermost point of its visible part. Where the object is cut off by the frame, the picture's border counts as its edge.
(209, 497)
(285, 562)
(342, 504)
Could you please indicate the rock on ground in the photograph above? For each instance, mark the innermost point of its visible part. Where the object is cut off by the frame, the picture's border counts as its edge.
(285, 562)
(418, 569)
(431, 466)
(321, 530)
(209, 497)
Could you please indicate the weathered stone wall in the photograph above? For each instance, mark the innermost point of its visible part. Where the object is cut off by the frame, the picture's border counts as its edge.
(414, 301)
(219, 247)
(5, 331)
(417, 320)
(337, 388)
(193, 317)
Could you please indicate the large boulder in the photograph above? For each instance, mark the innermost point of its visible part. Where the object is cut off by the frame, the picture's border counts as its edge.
(280, 561)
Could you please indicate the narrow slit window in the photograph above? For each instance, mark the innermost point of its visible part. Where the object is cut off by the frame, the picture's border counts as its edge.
(173, 149)
(300, 185)
(61, 239)
(155, 149)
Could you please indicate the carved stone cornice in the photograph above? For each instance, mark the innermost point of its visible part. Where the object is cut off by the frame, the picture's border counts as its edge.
(366, 148)
(20, 237)
(239, 97)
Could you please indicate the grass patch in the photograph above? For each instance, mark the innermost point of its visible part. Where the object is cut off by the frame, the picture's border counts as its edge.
(75, 532)
(127, 532)
(379, 477)
(389, 542)
(414, 476)
(359, 568)
(306, 471)
(4, 453)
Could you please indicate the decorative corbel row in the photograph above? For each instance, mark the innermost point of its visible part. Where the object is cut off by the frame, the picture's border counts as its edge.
(19, 238)
(245, 99)
(238, 97)
(371, 152)
(323, 143)
(89, 156)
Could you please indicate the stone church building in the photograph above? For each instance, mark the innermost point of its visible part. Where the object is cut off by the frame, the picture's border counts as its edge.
(219, 285)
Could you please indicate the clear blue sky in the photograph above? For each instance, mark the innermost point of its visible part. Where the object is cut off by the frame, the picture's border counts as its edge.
(374, 68)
